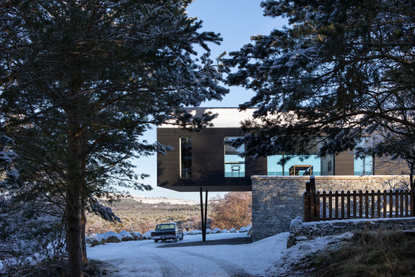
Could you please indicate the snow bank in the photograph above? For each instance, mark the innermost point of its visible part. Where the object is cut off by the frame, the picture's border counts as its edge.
(148, 234)
(112, 237)
(301, 250)
(125, 236)
(195, 232)
(95, 239)
(136, 235)
(216, 230)
(243, 230)
(96, 236)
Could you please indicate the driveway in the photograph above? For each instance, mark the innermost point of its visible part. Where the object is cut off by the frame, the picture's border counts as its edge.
(190, 257)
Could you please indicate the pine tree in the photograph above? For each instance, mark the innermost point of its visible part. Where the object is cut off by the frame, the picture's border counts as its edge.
(29, 221)
(342, 71)
(81, 81)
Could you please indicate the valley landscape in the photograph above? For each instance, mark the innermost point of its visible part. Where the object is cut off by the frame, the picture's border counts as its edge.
(141, 214)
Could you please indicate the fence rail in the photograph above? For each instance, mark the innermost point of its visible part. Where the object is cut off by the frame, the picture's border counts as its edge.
(321, 206)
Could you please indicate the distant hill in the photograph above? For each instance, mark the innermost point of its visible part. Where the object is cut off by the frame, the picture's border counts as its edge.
(162, 200)
(166, 200)
(139, 213)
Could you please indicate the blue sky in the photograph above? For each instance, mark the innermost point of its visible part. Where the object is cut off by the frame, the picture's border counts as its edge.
(236, 21)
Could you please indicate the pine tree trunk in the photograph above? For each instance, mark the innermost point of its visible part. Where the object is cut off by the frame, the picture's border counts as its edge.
(75, 204)
(73, 234)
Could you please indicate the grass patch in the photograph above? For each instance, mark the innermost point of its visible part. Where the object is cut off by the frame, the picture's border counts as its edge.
(381, 254)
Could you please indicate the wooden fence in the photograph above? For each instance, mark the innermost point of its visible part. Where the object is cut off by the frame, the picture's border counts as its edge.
(345, 205)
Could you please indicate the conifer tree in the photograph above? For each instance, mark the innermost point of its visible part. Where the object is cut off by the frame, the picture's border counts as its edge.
(81, 81)
(341, 71)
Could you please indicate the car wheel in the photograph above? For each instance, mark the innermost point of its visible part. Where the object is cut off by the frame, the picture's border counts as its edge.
(181, 237)
(156, 240)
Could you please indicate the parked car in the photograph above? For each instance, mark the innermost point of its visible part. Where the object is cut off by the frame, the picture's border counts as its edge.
(166, 231)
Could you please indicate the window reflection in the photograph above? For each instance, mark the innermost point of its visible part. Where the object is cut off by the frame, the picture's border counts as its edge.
(363, 166)
(234, 164)
(286, 165)
(186, 157)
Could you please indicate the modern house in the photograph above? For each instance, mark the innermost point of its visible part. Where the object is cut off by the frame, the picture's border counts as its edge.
(201, 161)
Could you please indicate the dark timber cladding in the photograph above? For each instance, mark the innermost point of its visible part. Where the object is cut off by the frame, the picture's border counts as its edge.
(208, 162)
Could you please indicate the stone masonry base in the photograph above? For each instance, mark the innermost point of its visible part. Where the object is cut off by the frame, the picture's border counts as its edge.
(276, 200)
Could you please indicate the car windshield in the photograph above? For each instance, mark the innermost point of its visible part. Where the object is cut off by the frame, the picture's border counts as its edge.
(163, 227)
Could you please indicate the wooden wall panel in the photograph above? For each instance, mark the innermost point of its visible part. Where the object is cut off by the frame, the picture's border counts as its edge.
(344, 164)
(387, 166)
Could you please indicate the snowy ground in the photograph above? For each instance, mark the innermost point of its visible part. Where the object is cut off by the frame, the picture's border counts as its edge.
(267, 257)
(144, 258)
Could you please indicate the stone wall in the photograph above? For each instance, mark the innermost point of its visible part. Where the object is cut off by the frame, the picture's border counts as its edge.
(276, 200)
(300, 231)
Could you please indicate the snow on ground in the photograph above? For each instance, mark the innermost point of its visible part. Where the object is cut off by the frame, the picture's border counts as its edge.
(296, 254)
(144, 258)
(267, 257)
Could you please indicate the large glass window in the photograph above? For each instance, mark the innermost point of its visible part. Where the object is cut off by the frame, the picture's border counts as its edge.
(234, 164)
(327, 165)
(185, 157)
(363, 166)
(287, 165)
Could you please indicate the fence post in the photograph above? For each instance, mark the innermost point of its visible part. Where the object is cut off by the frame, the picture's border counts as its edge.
(342, 205)
(316, 201)
(348, 205)
(354, 204)
(336, 204)
(390, 203)
(379, 203)
(313, 183)
(312, 206)
(406, 203)
(324, 205)
(330, 205)
(306, 206)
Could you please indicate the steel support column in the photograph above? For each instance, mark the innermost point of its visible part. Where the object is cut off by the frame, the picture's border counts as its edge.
(203, 213)
(202, 216)
(205, 223)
